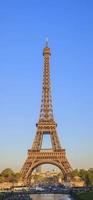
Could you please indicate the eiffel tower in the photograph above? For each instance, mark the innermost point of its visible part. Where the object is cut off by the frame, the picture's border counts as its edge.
(46, 125)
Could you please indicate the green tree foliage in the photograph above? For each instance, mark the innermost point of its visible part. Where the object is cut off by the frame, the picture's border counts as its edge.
(85, 175)
(7, 172)
(90, 176)
(1, 178)
(74, 173)
(8, 175)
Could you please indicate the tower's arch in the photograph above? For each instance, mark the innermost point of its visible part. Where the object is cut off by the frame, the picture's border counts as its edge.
(47, 161)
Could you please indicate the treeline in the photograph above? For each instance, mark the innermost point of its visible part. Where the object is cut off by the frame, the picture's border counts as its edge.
(8, 175)
(85, 175)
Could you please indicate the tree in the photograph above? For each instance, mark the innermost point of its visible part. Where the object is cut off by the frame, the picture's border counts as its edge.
(17, 177)
(82, 174)
(87, 176)
(90, 176)
(7, 172)
(9, 176)
(1, 179)
(74, 173)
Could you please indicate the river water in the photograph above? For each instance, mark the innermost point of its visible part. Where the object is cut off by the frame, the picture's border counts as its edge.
(50, 197)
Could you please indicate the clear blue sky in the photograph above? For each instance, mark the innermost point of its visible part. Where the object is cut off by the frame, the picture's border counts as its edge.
(24, 25)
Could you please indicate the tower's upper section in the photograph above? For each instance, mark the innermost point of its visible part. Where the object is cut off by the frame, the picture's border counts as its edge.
(46, 111)
(46, 51)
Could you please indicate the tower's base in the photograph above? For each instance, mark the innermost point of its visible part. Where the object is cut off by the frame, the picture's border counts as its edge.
(36, 158)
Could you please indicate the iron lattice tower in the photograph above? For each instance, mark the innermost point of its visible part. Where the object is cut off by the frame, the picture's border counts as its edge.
(46, 125)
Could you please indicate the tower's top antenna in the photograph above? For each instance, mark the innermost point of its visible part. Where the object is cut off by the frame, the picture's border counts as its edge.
(46, 41)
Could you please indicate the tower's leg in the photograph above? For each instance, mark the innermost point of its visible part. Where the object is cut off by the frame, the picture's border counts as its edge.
(38, 141)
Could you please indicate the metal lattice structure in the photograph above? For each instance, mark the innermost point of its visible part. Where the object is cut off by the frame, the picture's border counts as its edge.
(46, 125)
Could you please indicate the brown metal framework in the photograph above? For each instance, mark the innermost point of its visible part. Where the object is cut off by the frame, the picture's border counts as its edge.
(45, 125)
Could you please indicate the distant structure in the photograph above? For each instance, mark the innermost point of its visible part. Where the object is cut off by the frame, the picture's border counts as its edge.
(46, 125)
(39, 169)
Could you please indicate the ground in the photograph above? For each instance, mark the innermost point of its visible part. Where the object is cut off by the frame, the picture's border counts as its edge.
(85, 196)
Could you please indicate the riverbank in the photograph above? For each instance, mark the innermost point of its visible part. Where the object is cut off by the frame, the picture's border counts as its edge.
(37, 197)
(14, 196)
(88, 195)
(83, 195)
